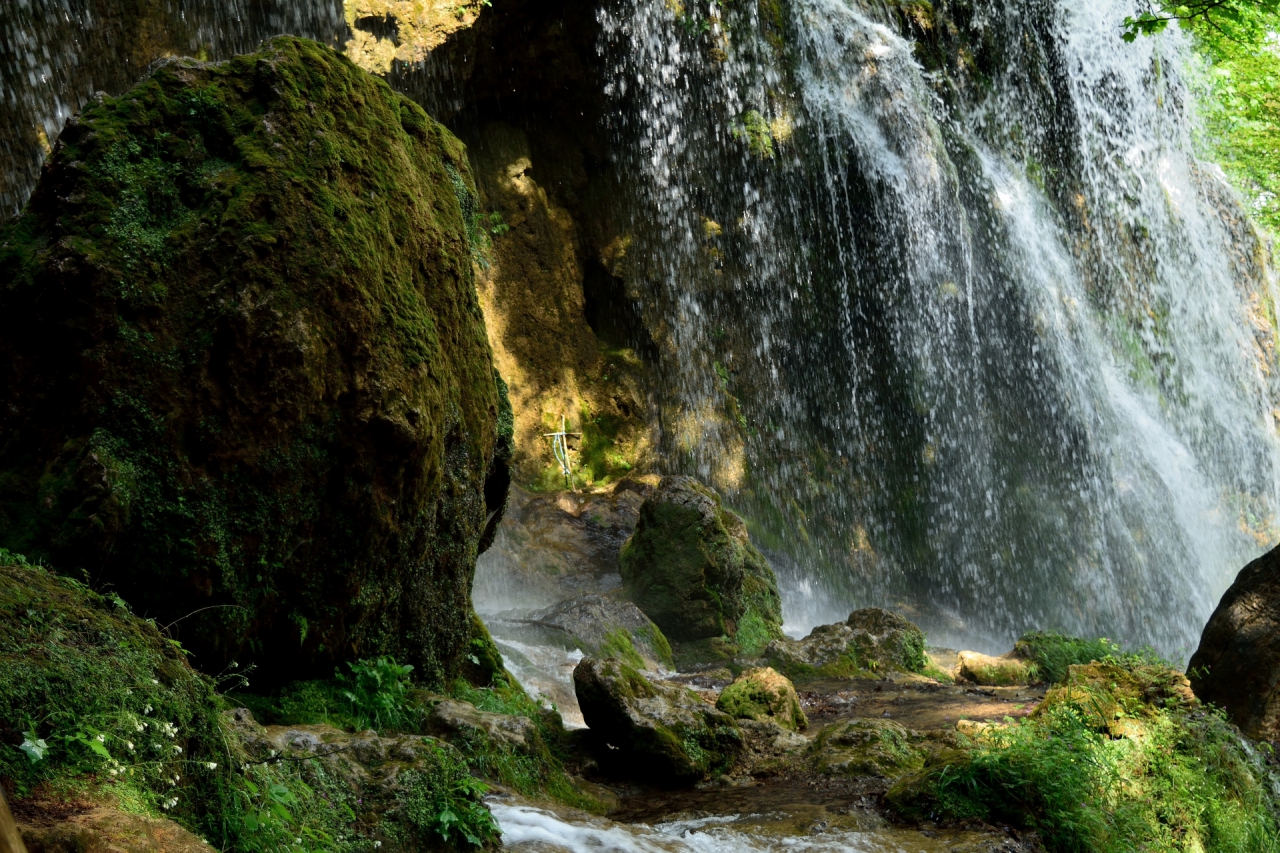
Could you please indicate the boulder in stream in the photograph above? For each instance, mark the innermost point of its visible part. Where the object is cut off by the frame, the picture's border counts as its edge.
(1237, 665)
(606, 627)
(663, 733)
(691, 567)
(764, 694)
(870, 642)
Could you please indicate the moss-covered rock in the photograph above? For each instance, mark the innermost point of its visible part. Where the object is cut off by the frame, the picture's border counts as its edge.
(1118, 758)
(604, 627)
(872, 641)
(244, 377)
(1109, 696)
(867, 748)
(663, 733)
(764, 694)
(691, 567)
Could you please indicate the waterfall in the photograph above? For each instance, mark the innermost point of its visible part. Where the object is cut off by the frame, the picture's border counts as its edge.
(947, 305)
(943, 299)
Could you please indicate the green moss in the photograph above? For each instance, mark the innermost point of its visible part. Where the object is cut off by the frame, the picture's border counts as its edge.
(147, 717)
(1158, 777)
(757, 133)
(691, 567)
(659, 643)
(617, 644)
(763, 694)
(754, 633)
(867, 748)
(281, 227)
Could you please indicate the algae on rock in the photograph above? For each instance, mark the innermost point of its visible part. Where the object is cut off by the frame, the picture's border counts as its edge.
(244, 376)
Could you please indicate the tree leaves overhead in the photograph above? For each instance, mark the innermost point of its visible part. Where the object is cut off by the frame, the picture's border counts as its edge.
(1246, 21)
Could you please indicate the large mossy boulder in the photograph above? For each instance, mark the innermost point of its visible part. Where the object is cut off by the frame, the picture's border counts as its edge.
(662, 733)
(244, 378)
(1237, 666)
(691, 567)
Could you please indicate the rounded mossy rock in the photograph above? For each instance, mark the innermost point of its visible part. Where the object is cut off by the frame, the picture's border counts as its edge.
(658, 732)
(244, 377)
(871, 641)
(761, 695)
(88, 690)
(691, 567)
(867, 747)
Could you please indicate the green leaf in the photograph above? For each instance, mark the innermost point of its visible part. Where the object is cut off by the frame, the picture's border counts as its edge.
(34, 747)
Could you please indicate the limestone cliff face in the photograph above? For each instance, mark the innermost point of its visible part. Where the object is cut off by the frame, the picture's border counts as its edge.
(243, 367)
(383, 31)
(535, 308)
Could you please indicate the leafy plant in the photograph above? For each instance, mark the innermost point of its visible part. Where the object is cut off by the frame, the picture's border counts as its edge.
(377, 690)
(447, 802)
(1053, 654)
(1101, 770)
(1240, 20)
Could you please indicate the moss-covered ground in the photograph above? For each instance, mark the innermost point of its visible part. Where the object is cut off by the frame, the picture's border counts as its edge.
(1119, 757)
(153, 736)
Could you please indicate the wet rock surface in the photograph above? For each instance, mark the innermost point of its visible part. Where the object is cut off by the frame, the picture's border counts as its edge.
(691, 567)
(550, 547)
(1237, 665)
(601, 626)
(869, 641)
(662, 732)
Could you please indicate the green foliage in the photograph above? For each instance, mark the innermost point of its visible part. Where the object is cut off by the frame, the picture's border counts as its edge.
(1054, 653)
(1240, 105)
(538, 774)
(377, 690)
(1243, 21)
(147, 727)
(1149, 778)
(756, 131)
(446, 802)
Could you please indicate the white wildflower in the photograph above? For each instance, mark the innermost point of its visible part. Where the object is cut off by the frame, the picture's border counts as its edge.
(101, 738)
(212, 765)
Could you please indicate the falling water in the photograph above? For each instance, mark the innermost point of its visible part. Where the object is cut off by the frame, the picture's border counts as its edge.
(958, 319)
(945, 302)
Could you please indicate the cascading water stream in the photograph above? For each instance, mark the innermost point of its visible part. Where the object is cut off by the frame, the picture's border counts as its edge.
(995, 342)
